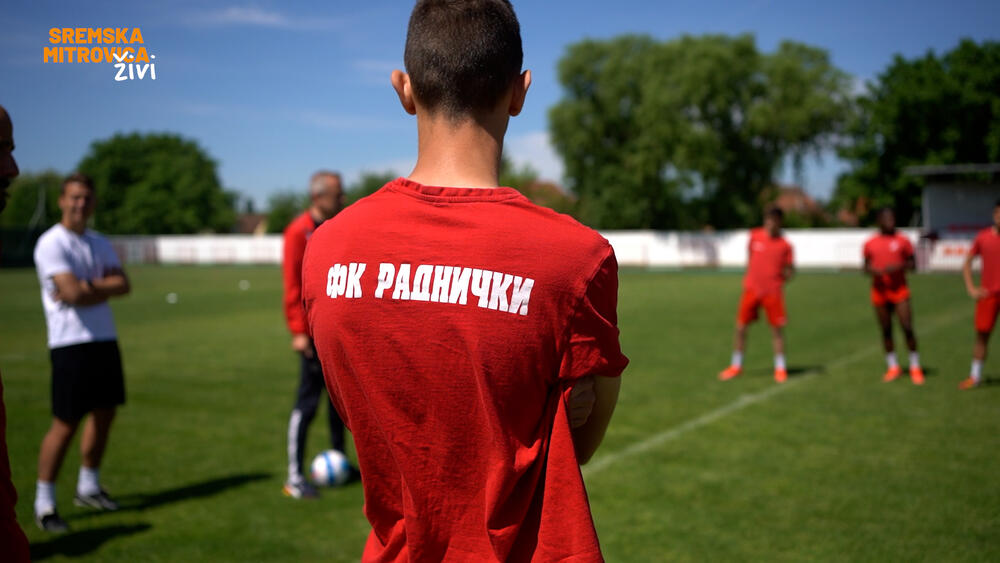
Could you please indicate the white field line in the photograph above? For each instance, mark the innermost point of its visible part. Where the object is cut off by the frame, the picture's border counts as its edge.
(664, 436)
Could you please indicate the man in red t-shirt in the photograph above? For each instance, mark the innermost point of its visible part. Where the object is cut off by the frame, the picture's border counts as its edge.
(468, 336)
(769, 266)
(987, 294)
(13, 544)
(887, 256)
(326, 196)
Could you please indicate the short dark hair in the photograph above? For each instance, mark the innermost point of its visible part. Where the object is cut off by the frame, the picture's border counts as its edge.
(885, 209)
(462, 55)
(997, 203)
(76, 178)
(775, 212)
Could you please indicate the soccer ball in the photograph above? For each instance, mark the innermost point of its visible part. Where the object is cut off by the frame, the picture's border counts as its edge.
(330, 469)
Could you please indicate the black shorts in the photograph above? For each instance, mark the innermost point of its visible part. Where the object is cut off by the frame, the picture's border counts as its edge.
(85, 377)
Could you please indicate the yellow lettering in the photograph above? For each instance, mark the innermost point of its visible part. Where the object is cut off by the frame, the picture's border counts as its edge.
(52, 52)
(109, 35)
(120, 34)
(141, 56)
(136, 35)
(69, 52)
(54, 35)
(67, 35)
(94, 33)
(129, 55)
(81, 35)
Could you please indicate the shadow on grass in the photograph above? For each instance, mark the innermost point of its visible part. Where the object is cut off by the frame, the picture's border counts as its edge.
(78, 544)
(207, 488)
(797, 371)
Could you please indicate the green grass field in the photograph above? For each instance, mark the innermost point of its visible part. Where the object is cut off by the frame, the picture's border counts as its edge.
(834, 465)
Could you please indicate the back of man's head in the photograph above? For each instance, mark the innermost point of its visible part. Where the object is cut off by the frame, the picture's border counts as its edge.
(462, 55)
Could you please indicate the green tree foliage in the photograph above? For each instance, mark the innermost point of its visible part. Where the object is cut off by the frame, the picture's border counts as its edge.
(687, 132)
(33, 201)
(928, 110)
(284, 206)
(515, 177)
(156, 183)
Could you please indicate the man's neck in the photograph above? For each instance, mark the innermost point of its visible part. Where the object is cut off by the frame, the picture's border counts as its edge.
(466, 154)
(316, 215)
(78, 229)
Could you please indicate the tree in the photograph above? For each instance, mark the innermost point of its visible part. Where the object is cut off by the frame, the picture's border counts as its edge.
(33, 201)
(928, 110)
(156, 184)
(690, 131)
(283, 207)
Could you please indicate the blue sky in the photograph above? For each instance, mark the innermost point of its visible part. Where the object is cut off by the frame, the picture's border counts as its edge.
(274, 90)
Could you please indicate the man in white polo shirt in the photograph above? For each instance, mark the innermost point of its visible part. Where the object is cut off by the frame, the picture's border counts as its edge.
(78, 271)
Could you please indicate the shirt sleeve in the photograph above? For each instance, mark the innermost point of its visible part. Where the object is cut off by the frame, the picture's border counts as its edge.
(789, 255)
(291, 262)
(50, 259)
(592, 346)
(109, 257)
(866, 251)
(907, 248)
(977, 247)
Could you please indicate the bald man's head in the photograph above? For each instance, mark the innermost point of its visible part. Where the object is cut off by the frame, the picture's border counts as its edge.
(8, 167)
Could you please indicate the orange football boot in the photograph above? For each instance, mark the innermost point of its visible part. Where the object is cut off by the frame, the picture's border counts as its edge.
(730, 372)
(891, 374)
(916, 375)
(780, 375)
(968, 383)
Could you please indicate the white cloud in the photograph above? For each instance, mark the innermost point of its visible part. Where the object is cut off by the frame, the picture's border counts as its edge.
(258, 17)
(535, 149)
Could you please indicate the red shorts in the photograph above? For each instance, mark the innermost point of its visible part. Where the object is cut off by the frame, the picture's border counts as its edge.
(986, 312)
(882, 296)
(773, 304)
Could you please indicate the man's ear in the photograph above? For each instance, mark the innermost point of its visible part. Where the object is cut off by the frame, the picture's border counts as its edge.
(521, 84)
(401, 84)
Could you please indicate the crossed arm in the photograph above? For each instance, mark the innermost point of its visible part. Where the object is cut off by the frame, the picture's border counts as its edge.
(77, 292)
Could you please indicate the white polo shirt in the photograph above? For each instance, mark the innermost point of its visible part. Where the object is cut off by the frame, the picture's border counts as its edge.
(60, 250)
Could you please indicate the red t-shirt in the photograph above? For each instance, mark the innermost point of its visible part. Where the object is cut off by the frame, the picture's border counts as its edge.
(768, 256)
(987, 246)
(296, 236)
(450, 323)
(885, 251)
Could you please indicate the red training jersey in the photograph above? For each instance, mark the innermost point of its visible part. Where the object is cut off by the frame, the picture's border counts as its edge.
(296, 235)
(987, 246)
(450, 323)
(768, 257)
(883, 251)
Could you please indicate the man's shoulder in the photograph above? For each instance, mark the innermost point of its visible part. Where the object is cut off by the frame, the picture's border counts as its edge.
(298, 225)
(54, 235)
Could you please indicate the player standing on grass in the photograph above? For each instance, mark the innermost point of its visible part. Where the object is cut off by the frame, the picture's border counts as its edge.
(769, 266)
(467, 335)
(326, 197)
(887, 256)
(987, 294)
(78, 272)
(13, 544)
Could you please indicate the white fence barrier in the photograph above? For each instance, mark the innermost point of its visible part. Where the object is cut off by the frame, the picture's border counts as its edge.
(814, 248)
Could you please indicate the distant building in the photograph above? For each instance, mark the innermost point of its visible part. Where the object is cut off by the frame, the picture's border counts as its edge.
(795, 202)
(251, 224)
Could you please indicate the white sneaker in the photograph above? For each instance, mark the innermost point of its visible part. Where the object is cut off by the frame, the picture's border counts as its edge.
(300, 489)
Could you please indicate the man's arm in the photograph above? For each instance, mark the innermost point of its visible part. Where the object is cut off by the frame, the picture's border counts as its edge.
(294, 250)
(975, 291)
(81, 293)
(588, 436)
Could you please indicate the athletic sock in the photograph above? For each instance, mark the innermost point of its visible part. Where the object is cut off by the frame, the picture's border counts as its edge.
(87, 483)
(890, 360)
(977, 370)
(45, 497)
(779, 361)
(914, 359)
(737, 359)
